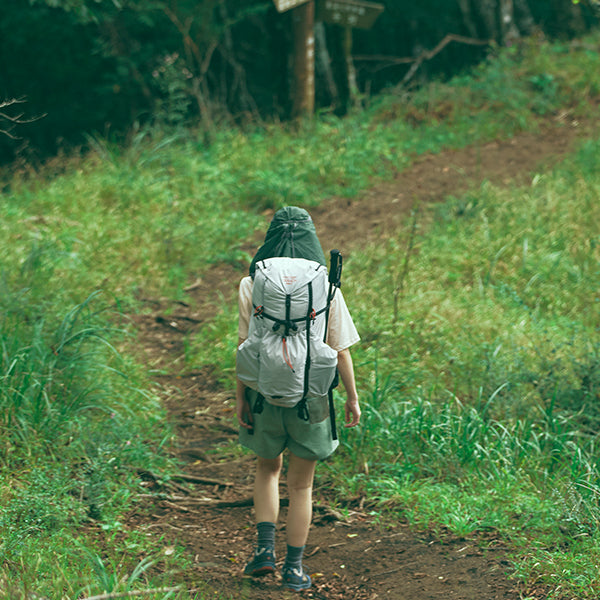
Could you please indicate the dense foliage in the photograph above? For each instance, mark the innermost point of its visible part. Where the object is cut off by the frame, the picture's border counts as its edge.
(84, 66)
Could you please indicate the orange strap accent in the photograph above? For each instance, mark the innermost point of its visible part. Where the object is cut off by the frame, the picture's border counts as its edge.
(286, 355)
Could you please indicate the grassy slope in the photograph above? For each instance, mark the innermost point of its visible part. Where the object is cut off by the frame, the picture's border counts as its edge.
(489, 380)
(485, 377)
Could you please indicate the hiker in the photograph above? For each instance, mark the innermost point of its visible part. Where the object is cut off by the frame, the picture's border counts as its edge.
(269, 424)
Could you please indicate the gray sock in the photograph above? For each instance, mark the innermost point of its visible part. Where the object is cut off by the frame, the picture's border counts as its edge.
(266, 535)
(293, 559)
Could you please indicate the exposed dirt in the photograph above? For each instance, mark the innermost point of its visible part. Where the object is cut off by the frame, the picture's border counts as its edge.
(350, 556)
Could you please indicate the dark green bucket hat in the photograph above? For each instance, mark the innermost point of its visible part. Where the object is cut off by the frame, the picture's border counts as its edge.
(291, 233)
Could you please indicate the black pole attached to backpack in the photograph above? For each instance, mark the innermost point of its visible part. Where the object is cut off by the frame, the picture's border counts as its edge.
(335, 276)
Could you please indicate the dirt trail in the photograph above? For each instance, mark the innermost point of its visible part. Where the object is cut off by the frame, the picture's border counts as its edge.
(350, 556)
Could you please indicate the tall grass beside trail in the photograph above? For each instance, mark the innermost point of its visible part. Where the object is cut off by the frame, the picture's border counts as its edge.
(480, 373)
(76, 431)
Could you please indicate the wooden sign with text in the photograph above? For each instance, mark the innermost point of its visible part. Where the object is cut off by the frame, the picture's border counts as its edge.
(349, 13)
(283, 5)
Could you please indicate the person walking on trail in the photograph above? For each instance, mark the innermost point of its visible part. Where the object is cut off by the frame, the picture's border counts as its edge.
(293, 335)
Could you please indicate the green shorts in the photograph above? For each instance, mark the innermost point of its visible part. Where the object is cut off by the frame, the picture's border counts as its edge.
(277, 428)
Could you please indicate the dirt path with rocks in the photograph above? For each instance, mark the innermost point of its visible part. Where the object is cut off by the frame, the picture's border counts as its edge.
(350, 555)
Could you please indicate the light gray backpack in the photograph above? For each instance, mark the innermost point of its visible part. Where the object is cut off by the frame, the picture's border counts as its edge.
(285, 357)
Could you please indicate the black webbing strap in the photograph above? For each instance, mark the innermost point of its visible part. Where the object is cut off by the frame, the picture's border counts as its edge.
(259, 403)
(288, 306)
(260, 312)
(335, 275)
(330, 295)
(334, 435)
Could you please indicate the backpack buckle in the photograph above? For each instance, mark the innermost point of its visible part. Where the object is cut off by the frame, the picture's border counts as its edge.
(303, 410)
(258, 404)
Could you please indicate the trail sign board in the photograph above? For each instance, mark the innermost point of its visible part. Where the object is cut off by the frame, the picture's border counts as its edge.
(283, 5)
(349, 13)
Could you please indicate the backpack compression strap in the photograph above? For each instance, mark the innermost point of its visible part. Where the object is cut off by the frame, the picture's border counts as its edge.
(290, 325)
(302, 407)
(335, 282)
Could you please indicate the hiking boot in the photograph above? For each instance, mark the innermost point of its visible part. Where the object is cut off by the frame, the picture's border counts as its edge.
(296, 579)
(262, 563)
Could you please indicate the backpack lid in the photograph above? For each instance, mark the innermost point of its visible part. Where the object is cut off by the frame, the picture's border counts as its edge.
(292, 234)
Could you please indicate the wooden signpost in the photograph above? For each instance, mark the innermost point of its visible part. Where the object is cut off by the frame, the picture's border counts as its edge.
(303, 18)
(283, 5)
(349, 13)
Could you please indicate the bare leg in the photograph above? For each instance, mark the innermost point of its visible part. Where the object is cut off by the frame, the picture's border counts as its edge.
(300, 482)
(266, 509)
(266, 489)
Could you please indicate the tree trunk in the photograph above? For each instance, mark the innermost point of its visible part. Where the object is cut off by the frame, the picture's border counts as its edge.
(303, 18)
(467, 15)
(339, 66)
(568, 17)
(508, 30)
(487, 11)
(523, 17)
(323, 64)
(497, 19)
(350, 70)
(238, 86)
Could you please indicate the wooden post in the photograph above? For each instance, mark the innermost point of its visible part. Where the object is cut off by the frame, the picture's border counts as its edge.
(303, 18)
(323, 63)
(350, 70)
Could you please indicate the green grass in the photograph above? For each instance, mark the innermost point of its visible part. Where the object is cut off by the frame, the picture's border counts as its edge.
(76, 431)
(479, 371)
(483, 382)
(164, 208)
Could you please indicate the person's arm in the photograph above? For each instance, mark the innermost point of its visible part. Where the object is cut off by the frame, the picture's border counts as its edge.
(242, 408)
(346, 371)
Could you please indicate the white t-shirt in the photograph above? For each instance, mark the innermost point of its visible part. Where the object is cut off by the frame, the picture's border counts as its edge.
(341, 332)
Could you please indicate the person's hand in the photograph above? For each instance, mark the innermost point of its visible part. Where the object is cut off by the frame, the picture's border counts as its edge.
(242, 406)
(244, 414)
(352, 409)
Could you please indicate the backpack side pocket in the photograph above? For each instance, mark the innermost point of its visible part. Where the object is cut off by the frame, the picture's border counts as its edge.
(247, 362)
(323, 363)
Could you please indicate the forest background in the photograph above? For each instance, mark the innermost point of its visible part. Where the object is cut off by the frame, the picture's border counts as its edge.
(108, 66)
